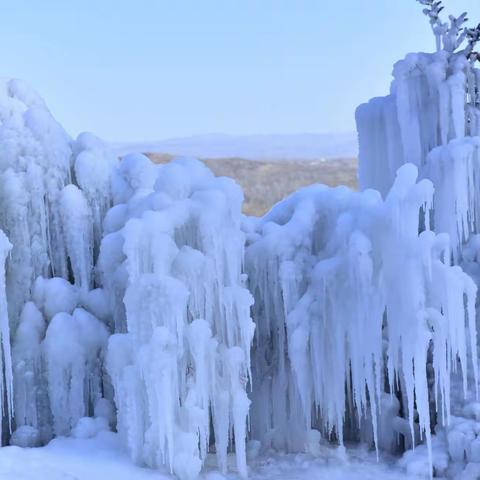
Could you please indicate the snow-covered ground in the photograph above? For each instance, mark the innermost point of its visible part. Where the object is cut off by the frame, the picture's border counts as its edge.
(306, 146)
(104, 458)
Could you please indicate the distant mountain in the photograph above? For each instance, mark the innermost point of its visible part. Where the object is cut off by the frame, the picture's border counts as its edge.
(305, 146)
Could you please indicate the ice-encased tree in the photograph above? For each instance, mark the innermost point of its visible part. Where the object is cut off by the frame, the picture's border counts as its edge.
(169, 283)
(431, 118)
(180, 363)
(349, 298)
(53, 227)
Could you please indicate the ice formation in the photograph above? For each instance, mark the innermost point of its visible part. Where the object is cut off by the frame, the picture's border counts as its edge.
(431, 119)
(333, 271)
(174, 252)
(124, 284)
(433, 100)
(136, 297)
(56, 345)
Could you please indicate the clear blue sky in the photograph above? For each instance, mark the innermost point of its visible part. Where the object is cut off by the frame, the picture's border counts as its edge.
(152, 69)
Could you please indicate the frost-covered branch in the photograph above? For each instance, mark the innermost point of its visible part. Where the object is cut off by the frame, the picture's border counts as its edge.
(452, 34)
(432, 11)
(473, 36)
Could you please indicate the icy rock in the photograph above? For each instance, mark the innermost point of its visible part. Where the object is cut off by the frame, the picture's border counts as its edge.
(48, 221)
(416, 462)
(88, 427)
(25, 437)
(105, 409)
(390, 425)
(457, 445)
(472, 410)
(313, 443)
(253, 449)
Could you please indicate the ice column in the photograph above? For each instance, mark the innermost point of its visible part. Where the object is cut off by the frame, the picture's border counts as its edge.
(181, 360)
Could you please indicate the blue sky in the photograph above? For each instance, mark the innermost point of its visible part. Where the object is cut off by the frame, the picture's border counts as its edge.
(153, 69)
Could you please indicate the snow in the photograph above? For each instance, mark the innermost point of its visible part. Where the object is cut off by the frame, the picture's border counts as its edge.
(65, 458)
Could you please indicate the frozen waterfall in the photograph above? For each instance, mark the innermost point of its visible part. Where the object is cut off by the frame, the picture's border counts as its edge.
(136, 297)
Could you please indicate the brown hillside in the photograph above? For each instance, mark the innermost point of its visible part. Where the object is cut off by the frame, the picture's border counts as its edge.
(265, 183)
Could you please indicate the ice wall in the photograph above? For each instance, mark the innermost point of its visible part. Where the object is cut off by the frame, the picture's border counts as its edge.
(349, 300)
(455, 172)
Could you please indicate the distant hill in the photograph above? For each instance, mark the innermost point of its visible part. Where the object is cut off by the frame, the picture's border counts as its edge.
(306, 146)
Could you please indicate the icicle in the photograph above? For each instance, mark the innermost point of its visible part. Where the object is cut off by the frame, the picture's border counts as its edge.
(426, 109)
(72, 346)
(94, 165)
(6, 373)
(29, 393)
(77, 228)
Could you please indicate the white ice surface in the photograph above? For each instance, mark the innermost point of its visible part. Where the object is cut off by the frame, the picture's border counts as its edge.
(103, 458)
